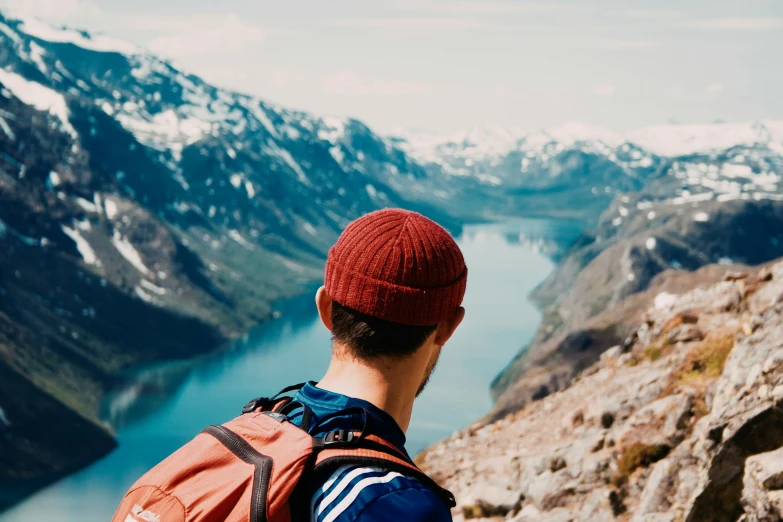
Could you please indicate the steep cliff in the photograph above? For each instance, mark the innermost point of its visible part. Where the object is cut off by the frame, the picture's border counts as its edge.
(682, 423)
(711, 203)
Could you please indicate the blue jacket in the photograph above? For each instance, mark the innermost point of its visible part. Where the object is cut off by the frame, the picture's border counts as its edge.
(361, 493)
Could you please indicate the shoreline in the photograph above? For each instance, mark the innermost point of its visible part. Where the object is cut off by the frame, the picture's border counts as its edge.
(231, 349)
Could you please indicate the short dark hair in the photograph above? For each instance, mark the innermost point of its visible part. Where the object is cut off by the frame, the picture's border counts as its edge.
(369, 337)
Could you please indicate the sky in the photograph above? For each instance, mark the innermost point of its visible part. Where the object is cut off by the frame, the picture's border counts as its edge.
(448, 65)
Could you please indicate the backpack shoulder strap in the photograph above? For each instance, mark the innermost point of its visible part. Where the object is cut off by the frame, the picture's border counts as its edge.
(342, 447)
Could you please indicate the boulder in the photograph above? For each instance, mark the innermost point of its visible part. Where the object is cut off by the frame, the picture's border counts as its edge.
(550, 490)
(762, 487)
(490, 500)
(532, 514)
(685, 333)
(658, 423)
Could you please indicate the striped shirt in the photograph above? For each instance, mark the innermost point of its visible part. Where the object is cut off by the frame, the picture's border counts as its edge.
(356, 493)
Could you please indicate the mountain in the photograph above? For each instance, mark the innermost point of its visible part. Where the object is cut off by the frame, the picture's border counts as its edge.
(148, 215)
(680, 425)
(579, 162)
(721, 201)
(567, 163)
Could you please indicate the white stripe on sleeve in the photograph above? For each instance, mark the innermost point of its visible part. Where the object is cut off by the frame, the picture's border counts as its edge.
(318, 496)
(340, 486)
(350, 497)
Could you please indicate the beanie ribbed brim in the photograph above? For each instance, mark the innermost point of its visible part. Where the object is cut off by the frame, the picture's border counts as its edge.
(398, 304)
(399, 266)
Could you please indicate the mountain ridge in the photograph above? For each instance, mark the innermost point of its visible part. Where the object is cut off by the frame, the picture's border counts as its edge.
(132, 193)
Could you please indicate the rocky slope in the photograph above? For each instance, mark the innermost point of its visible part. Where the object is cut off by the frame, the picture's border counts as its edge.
(682, 423)
(708, 205)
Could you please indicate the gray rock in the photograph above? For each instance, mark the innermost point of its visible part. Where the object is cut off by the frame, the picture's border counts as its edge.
(767, 469)
(657, 423)
(532, 514)
(488, 499)
(685, 333)
(549, 490)
(761, 484)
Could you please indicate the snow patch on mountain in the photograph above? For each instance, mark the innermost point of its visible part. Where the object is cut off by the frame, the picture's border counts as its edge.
(289, 160)
(7, 129)
(88, 206)
(82, 245)
(39, 97)
(681, 140)
(36, 55)
(152, 287)
(332, 130)
(165, 130)
(111, 208)
(144, 296)
(458, 153)
(93, 42)
(129, 252)
(473, 151)
(10, 33)
(236, 236)
(255, 108)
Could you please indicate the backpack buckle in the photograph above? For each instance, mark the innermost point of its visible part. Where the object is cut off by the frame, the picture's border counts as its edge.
(339, 437)
(253, 405)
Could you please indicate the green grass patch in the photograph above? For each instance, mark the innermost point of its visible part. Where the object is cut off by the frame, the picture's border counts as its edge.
(707, 360)
(639, 455)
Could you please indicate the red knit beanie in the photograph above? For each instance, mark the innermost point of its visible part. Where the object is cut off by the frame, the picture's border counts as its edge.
(399, 266)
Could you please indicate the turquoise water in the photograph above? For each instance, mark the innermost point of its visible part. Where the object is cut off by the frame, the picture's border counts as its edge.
(160, 408)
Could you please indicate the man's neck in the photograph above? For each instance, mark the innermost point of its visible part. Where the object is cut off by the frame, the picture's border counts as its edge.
(391, 387)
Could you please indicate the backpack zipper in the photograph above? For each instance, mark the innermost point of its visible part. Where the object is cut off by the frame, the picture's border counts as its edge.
(263, 467)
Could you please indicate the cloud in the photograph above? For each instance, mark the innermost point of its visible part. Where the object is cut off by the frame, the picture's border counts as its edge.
(435, 15)
(350, 83)
(500, 92)
(420, 24)
(628, 44)
(486, 7)
(654, 14)
(51, 10)
(231, 34)
(605, 89)
(737, 23)
(677, 92)
(282, 78)
(713, 92)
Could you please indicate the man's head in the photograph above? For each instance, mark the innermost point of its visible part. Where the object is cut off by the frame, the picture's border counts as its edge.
(395, 281)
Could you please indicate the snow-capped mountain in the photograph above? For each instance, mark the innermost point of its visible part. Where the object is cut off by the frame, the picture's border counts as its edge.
(145, 214)
(491, 144)
(682, 140)
(727, 160)
(134, 193)
(480, 149)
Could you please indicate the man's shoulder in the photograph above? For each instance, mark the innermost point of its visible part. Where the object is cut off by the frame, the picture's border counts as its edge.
(373, 494)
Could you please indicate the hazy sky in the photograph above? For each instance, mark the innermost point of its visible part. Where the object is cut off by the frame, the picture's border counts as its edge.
(447, 65)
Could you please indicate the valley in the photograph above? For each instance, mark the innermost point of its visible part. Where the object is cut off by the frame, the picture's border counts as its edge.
(147, 216)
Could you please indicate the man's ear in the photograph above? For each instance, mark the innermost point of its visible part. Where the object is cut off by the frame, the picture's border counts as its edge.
(446, 328)
(324, 304)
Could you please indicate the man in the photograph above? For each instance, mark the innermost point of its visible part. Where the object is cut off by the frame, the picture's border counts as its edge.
(394, 285)
(335, 451)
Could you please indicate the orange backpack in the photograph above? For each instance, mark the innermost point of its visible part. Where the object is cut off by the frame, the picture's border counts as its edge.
(258, 468)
